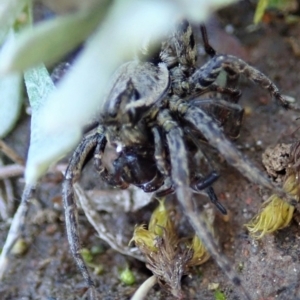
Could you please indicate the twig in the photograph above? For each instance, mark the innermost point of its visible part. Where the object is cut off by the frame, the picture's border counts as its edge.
(15, 228)
(15, 170)
(3, 207)
(97, 223)
(11, 171)
(6, 198)
(144, 288)
(8, 187)
(14, 156)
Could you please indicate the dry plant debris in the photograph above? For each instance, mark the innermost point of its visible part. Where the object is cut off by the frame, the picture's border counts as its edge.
(276, 213)
(168, 256)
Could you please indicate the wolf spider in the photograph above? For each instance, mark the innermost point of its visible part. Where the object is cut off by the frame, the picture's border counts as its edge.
(157, 111)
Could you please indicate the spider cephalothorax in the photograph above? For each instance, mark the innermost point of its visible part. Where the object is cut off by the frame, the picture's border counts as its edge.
(156, 115)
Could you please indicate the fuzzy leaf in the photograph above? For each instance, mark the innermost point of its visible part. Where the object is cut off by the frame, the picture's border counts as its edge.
(9, 10)
(10, 96)
(50, 40)
(10, 103)
(45, 148)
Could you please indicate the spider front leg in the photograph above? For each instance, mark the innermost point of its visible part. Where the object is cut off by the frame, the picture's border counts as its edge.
(232, 77)
(181, 179)
(214, 200)
(200, 182)
(204, 183)
(207, 74)
(72, 174)
(216, 138)
(159, 153)
(198, 185)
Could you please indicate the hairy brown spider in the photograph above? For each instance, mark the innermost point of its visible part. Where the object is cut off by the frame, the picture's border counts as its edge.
(155, 114)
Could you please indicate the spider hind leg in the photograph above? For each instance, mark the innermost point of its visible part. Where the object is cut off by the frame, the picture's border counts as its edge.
(72, 174)
(216, 138)
(180, 176)
(197, 184)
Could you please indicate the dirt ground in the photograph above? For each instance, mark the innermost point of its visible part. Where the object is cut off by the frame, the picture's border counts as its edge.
(269, 269)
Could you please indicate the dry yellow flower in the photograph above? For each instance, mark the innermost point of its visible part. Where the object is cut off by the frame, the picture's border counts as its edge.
(275, 213)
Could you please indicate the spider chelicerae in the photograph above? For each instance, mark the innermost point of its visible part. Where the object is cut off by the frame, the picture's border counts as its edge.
(157, 111)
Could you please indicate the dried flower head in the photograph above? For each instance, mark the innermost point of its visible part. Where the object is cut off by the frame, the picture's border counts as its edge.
(161, 220)
(276, 213)
(144, 239)
(168, 256)
(200, 254)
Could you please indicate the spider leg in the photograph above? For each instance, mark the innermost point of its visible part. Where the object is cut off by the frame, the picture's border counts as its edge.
(227, 115)
(208, 180)
(159, 153)
(207, 47)
(197, 185)
(232, 124)
(207, 74)
(200, 182)
(160, 158)
(232, 77)
(215, 137)
(180, 176)
(97, 157)
(204, 183)
(214, 200)
(232, 95)
(209, 191)
(72, 174)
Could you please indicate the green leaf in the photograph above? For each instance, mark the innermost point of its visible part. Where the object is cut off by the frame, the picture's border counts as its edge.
(38, 85)
(45, 147)
(10, 96)
(51, 40)
(9, 10)
(260, 10)
(282, 5)
(219, 295)
(10, 103)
